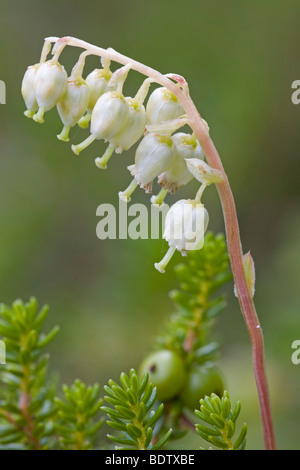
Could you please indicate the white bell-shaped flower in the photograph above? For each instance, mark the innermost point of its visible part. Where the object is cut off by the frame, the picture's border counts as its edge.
(97, 81)
(28, 92)
(115, 119)
(185, 226)
(133, 128)
(178, 174)
(73, 105)
(50, 86)
(163, 106)
(154, 155)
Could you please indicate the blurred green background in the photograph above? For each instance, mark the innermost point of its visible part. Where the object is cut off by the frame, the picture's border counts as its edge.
(240, 59)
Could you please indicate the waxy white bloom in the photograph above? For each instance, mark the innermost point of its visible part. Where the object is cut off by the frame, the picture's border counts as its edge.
(28, 90)
(50, 85)
(163, 106)
(73, 105)
(116, 120)
(98, 83)
(185, 226)
(109, 116)
(154, 155)
(187, 146)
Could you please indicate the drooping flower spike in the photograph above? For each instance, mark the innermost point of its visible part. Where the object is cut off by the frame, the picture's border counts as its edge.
(42, 94)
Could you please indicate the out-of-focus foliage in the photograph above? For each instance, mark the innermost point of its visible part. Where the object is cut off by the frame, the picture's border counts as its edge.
(31, 416)
(26, 406)
(133, 413)
(220, 417)
(200, 275)
(142, 408)
(78, 416)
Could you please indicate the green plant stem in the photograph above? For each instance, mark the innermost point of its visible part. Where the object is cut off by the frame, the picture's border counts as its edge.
(24, 404)
(230, 217)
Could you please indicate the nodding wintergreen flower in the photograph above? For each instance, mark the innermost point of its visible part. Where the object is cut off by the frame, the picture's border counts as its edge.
(98, 83)
(178, 174)
(162, 106)
(154, 155)
(50, 85)
(115, 119)
(73, 105)
(28, 92)
(185, 226)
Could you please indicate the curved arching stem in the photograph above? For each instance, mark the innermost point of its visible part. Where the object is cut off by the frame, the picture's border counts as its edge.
(200, 128)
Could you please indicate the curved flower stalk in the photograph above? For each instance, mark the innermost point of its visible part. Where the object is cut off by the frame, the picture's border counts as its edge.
(178, 86)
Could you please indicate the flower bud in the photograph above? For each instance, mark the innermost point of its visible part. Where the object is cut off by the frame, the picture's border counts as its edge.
(28, 90)
(163, 106)
(203, 172)
(154, 155)
(50, 86)
(185, 225)
(73, 105)
(178, 174)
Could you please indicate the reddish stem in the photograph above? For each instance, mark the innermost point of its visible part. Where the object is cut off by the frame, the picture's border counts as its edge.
(235, 254)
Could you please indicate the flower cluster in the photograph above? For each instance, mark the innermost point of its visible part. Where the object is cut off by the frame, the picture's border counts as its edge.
(173, 158)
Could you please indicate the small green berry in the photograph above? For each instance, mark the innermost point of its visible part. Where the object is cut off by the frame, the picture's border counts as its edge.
(166, 372)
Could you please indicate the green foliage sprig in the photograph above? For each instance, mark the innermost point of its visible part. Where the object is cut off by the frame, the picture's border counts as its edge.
(189, 329)
(26, 402)
(78, 424)
(133, 412)
(220, 417)
(33, 417)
